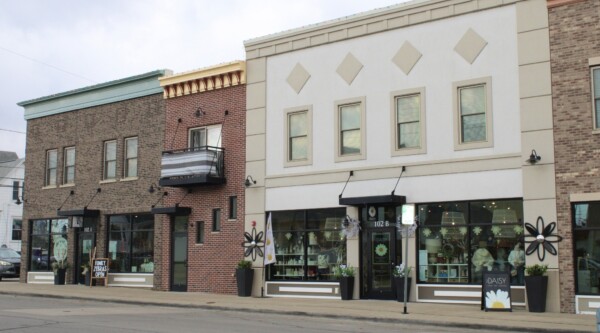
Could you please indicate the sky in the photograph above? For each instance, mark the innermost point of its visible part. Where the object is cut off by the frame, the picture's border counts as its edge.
(49, 47)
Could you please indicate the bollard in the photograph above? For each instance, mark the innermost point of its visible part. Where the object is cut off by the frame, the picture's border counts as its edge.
(598, 320)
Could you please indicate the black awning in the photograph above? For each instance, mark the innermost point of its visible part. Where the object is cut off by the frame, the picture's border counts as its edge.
(382, 200)
(174, 210)
(79, 212)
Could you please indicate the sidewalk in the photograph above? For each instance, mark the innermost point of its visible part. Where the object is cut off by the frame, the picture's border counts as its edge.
(468, 316)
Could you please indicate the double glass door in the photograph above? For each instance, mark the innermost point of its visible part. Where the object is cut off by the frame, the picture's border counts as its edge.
(381, 251)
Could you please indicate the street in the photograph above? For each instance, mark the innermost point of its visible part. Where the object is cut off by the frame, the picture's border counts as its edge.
(41, 314)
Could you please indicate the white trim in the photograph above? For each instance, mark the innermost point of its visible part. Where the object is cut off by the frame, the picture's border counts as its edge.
(579, 298)
(129, 279)
(307, 290)
(456, 293)
(130, 285)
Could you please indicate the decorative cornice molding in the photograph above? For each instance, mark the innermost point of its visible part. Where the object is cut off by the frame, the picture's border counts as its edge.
(378, 20)
(556, 3)
(204, 79)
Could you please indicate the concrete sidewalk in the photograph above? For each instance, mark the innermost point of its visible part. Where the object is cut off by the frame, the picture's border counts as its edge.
(468, 316)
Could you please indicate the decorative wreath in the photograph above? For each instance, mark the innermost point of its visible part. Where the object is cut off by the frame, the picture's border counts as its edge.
(381, 250)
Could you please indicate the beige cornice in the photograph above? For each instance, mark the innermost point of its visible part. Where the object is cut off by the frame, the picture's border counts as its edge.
(556, 3)
(204, 79)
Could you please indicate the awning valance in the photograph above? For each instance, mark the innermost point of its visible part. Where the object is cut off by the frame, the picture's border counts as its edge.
(84, 212)
(382, 200)
(173, 210)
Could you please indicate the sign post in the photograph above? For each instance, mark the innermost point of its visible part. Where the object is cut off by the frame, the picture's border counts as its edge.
(408, 220)
(100, 270)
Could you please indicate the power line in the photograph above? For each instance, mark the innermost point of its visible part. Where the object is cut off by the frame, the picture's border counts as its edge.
(46, 64)
(12, 131)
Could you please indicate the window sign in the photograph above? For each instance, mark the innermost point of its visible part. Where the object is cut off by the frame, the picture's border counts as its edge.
(408, 214)
(495, 291)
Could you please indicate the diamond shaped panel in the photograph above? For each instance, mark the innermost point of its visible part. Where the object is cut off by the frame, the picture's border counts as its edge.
(407, 57)
(298, 78)
(349, 68)
(470, 46)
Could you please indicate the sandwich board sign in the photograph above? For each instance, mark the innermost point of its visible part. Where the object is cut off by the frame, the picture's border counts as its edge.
(100, 270)
(495, 291)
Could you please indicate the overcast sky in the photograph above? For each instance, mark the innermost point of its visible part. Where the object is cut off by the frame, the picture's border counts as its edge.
(48, 47)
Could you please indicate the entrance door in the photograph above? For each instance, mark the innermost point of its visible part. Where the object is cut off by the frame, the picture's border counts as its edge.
(86, 241)
(179, 250)
(381, 251)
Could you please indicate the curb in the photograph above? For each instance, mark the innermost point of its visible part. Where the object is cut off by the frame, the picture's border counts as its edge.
(297, 313)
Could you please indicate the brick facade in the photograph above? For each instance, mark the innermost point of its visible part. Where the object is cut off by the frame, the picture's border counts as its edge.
(86, 130)
(574, 39)
(211, 265)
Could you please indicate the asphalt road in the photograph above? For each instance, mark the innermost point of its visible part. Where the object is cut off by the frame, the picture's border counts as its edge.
(48, 315)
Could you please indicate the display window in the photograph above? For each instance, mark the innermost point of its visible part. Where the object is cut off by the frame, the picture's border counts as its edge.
(458, 241)
(49, 243)
(131, 243)
(308, 244)
(586, 241)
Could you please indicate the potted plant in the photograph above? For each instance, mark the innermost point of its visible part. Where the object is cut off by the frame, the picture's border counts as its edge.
(85, 271)
(400, 273)
(60, 270)
(244, 275)
(345, 274)
(536, 286)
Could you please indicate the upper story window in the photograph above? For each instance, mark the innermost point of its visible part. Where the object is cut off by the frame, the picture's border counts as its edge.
(350, 132)
(596, 95)
(408, 122)
(298, 149)
(15, 191)
(17, 229)
(216, 219)
(51, 165)
(131, 157)
(205, 136)
(69, 166)
(473, 111)
(110, 160)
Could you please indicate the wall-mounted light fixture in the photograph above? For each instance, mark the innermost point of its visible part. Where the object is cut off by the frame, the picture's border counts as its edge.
(249, 181)
(199, 112)
(153, 187)
(534, 157)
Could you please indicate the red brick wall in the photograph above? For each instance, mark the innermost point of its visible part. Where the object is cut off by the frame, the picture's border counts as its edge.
(574, 38)
(210, 265)
(87, 129)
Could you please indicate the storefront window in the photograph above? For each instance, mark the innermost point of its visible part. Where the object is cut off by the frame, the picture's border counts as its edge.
(48, 243)
(308, 244)
(586, 234)
(458, 241)
(131, 243)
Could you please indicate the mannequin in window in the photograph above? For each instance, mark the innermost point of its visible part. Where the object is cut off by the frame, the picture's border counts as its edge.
(516, 259)
(482, 258)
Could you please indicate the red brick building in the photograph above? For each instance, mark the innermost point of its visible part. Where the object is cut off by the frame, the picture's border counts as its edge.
(575, 63)
(198, 243)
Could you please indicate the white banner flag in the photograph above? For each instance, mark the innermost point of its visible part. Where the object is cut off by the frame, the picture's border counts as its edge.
(269, 244)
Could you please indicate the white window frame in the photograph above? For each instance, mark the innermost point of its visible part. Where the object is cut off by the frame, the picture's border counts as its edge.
(127, 159)
(105, 161)
(361, 101)
(422, 148)
(594, 66)
(286, 149)
(67, 166)
(20, 230)
(207, 129)
(489, 140)
(49, 170)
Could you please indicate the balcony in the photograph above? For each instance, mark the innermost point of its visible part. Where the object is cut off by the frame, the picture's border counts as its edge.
(192, 167)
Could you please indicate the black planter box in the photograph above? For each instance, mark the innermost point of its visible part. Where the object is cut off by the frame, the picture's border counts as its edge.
(244, 277)
(347, 287)
(399, 282)
(536, 288)
(59, 276)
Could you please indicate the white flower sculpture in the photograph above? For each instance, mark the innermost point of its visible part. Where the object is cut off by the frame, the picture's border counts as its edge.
(496, 230)
(477, 230)
(463, 230)
(443, 231)
(350, 227)
(497, 300)
(518, 229)
(426, 232)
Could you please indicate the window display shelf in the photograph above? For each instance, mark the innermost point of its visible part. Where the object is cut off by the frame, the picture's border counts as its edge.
(444, 272)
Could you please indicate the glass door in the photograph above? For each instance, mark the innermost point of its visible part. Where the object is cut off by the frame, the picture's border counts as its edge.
(179, 264)
(381, 251)
(86, 241)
